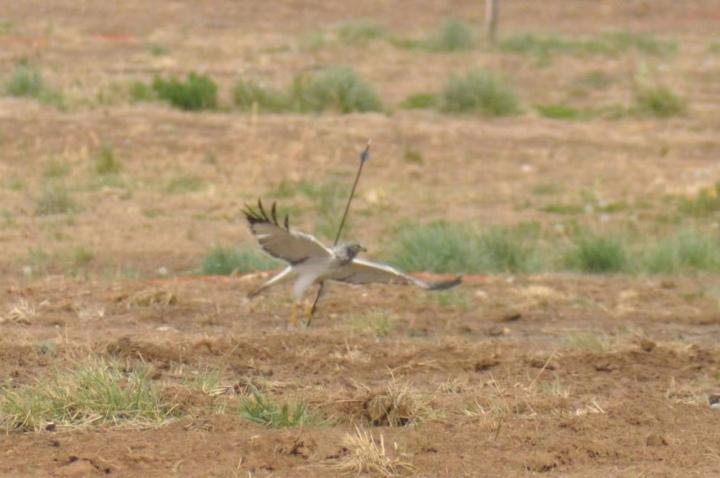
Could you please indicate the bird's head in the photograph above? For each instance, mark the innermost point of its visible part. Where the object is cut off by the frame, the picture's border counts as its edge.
(351, 250)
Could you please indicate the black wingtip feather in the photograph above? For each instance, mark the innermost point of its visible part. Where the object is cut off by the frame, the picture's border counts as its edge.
(444, 285)
(259, 214)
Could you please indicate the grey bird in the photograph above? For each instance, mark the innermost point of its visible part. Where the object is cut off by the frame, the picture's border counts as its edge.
(310, 262)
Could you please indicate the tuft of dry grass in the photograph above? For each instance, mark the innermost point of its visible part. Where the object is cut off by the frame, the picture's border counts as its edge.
(21, 312)
(396, 405)
(366, 455)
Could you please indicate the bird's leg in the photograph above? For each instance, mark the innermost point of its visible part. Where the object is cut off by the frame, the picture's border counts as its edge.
(309, 306)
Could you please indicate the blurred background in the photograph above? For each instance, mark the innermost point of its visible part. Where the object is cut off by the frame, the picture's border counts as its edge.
(130, 136)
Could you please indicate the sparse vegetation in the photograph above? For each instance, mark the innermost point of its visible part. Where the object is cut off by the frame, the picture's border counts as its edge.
(396, 405)
(687, 250)
(479, 91)
(452, 248)
(225, 261)
(380, 323)
(95, 391)
(197, 92)
(367, 456)
(562, 112)
(184, 184)
(597, 254)
(660, 102)
(543, 47)
(706, 202)
(260, 409)
(56, 168)
(248, 94)
(27, 81)
(104, 161)
(337, 89)
(55, 199)
(454, 35)
(419, 101)
(360, 31)
(595, 341)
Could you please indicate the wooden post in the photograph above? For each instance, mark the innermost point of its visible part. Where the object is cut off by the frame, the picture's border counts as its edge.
(491, 19)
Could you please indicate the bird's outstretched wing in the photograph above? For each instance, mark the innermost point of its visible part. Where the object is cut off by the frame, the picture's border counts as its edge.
(279, 241)
(360, 271)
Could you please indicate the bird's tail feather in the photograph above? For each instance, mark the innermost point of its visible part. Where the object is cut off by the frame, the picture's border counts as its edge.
(444, 285)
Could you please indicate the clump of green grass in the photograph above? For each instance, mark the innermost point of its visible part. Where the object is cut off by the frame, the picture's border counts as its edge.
(419, 101)
(25, 80)
(55, 199)
(380, 323)
(564, 208)
(360, 31)
(104, 161)
(225, 261)
(248, 94)
(454, 35)
(451, 248)
(659, 101)
(197, 92)
(334, 89)
(260, 409)
(597, 254)
(184, 184)
(91, 393)
(688, 250)
(478, 91)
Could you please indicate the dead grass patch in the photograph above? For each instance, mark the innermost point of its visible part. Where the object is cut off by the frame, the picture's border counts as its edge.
(367, 455)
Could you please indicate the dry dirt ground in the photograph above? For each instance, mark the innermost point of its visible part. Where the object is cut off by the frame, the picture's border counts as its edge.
(561, 375)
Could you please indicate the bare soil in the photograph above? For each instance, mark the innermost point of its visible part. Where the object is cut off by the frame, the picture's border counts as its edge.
(563, 375)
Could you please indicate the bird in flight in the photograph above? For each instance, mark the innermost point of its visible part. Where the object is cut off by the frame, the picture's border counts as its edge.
(310, 262)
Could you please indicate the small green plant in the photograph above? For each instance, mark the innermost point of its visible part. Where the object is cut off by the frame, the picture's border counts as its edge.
(453, 35)
(184, 184)
(25, 80)
(360, 31)
(197, 92)
(596, 254)
(564, 208)
(714, 47)
(81, 256)
(334, 89)
(249, 94)
(225, 261)
(419, 101)
(660, 102)
(260, 409)
(55, 199)
(105, 162)
(96, 391)
(478, 91)
(688, 250)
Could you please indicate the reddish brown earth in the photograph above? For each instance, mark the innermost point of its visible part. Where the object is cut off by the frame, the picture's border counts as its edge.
(563, 375)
